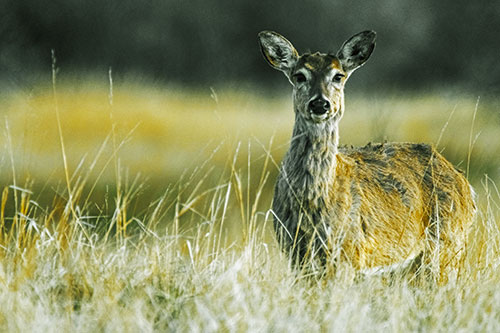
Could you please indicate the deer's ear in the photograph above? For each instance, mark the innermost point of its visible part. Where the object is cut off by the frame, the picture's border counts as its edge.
(278, 51)
(356, 50)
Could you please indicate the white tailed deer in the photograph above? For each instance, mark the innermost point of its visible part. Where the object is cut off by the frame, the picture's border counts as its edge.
(375, 206)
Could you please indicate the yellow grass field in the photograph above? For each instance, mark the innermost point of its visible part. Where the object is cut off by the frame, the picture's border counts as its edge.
(137, 207)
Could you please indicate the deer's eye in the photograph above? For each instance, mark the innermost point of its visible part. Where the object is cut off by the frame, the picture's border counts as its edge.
(299, 78)
(337, 78)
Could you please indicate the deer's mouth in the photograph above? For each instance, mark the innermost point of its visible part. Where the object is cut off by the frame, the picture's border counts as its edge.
(319, 117)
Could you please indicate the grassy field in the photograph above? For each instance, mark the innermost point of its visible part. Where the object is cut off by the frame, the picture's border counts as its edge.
(133, 207)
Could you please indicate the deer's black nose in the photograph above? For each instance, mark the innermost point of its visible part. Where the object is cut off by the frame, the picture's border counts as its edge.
(319, 106)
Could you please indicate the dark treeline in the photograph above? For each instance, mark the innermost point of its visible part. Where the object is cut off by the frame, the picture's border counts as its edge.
(421, 44)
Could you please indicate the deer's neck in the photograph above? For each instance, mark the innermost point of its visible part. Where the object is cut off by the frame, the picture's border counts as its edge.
(311, 161)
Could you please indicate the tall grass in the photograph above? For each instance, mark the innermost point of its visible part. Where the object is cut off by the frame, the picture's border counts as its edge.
(163, 221)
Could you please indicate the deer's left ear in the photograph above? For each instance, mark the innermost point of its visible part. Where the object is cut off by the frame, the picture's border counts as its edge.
(356, 50)
(278, 51)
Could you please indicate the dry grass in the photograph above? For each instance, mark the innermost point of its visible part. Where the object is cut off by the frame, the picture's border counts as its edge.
(187, 244)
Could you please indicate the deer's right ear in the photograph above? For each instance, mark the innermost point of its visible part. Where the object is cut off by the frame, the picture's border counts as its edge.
(278, 51)
(356, 50)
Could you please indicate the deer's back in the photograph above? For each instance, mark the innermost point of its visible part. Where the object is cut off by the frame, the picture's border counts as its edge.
(388, 197)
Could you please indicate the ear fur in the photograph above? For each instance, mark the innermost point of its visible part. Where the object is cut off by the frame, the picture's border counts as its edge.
(278, 51)
(356, 50)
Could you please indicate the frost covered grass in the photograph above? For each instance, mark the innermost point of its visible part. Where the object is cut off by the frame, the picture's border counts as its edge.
(147, 209)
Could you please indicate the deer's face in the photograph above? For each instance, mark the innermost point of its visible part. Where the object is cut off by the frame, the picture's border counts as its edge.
(318, 84)
(318, 79)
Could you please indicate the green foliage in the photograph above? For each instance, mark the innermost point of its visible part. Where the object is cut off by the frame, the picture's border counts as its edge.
(420, 44)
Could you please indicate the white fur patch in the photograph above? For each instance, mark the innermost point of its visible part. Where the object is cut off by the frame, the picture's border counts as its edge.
(380, 270)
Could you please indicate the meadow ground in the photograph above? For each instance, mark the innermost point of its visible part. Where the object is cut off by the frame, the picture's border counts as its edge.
(133, 207)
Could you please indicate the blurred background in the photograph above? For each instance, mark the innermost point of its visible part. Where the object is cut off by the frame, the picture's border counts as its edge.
(421, 44)
(193, 106)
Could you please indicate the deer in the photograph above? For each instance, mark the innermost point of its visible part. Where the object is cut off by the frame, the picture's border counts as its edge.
(378, 208)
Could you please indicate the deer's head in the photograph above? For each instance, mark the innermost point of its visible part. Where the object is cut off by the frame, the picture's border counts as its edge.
(318, 79)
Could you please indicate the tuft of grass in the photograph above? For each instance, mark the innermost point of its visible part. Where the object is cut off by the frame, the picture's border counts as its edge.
(155, 217)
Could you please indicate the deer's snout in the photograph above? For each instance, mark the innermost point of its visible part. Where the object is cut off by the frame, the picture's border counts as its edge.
(319, 106)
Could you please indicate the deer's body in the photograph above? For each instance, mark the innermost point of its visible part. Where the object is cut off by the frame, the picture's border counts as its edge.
(373, 206)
